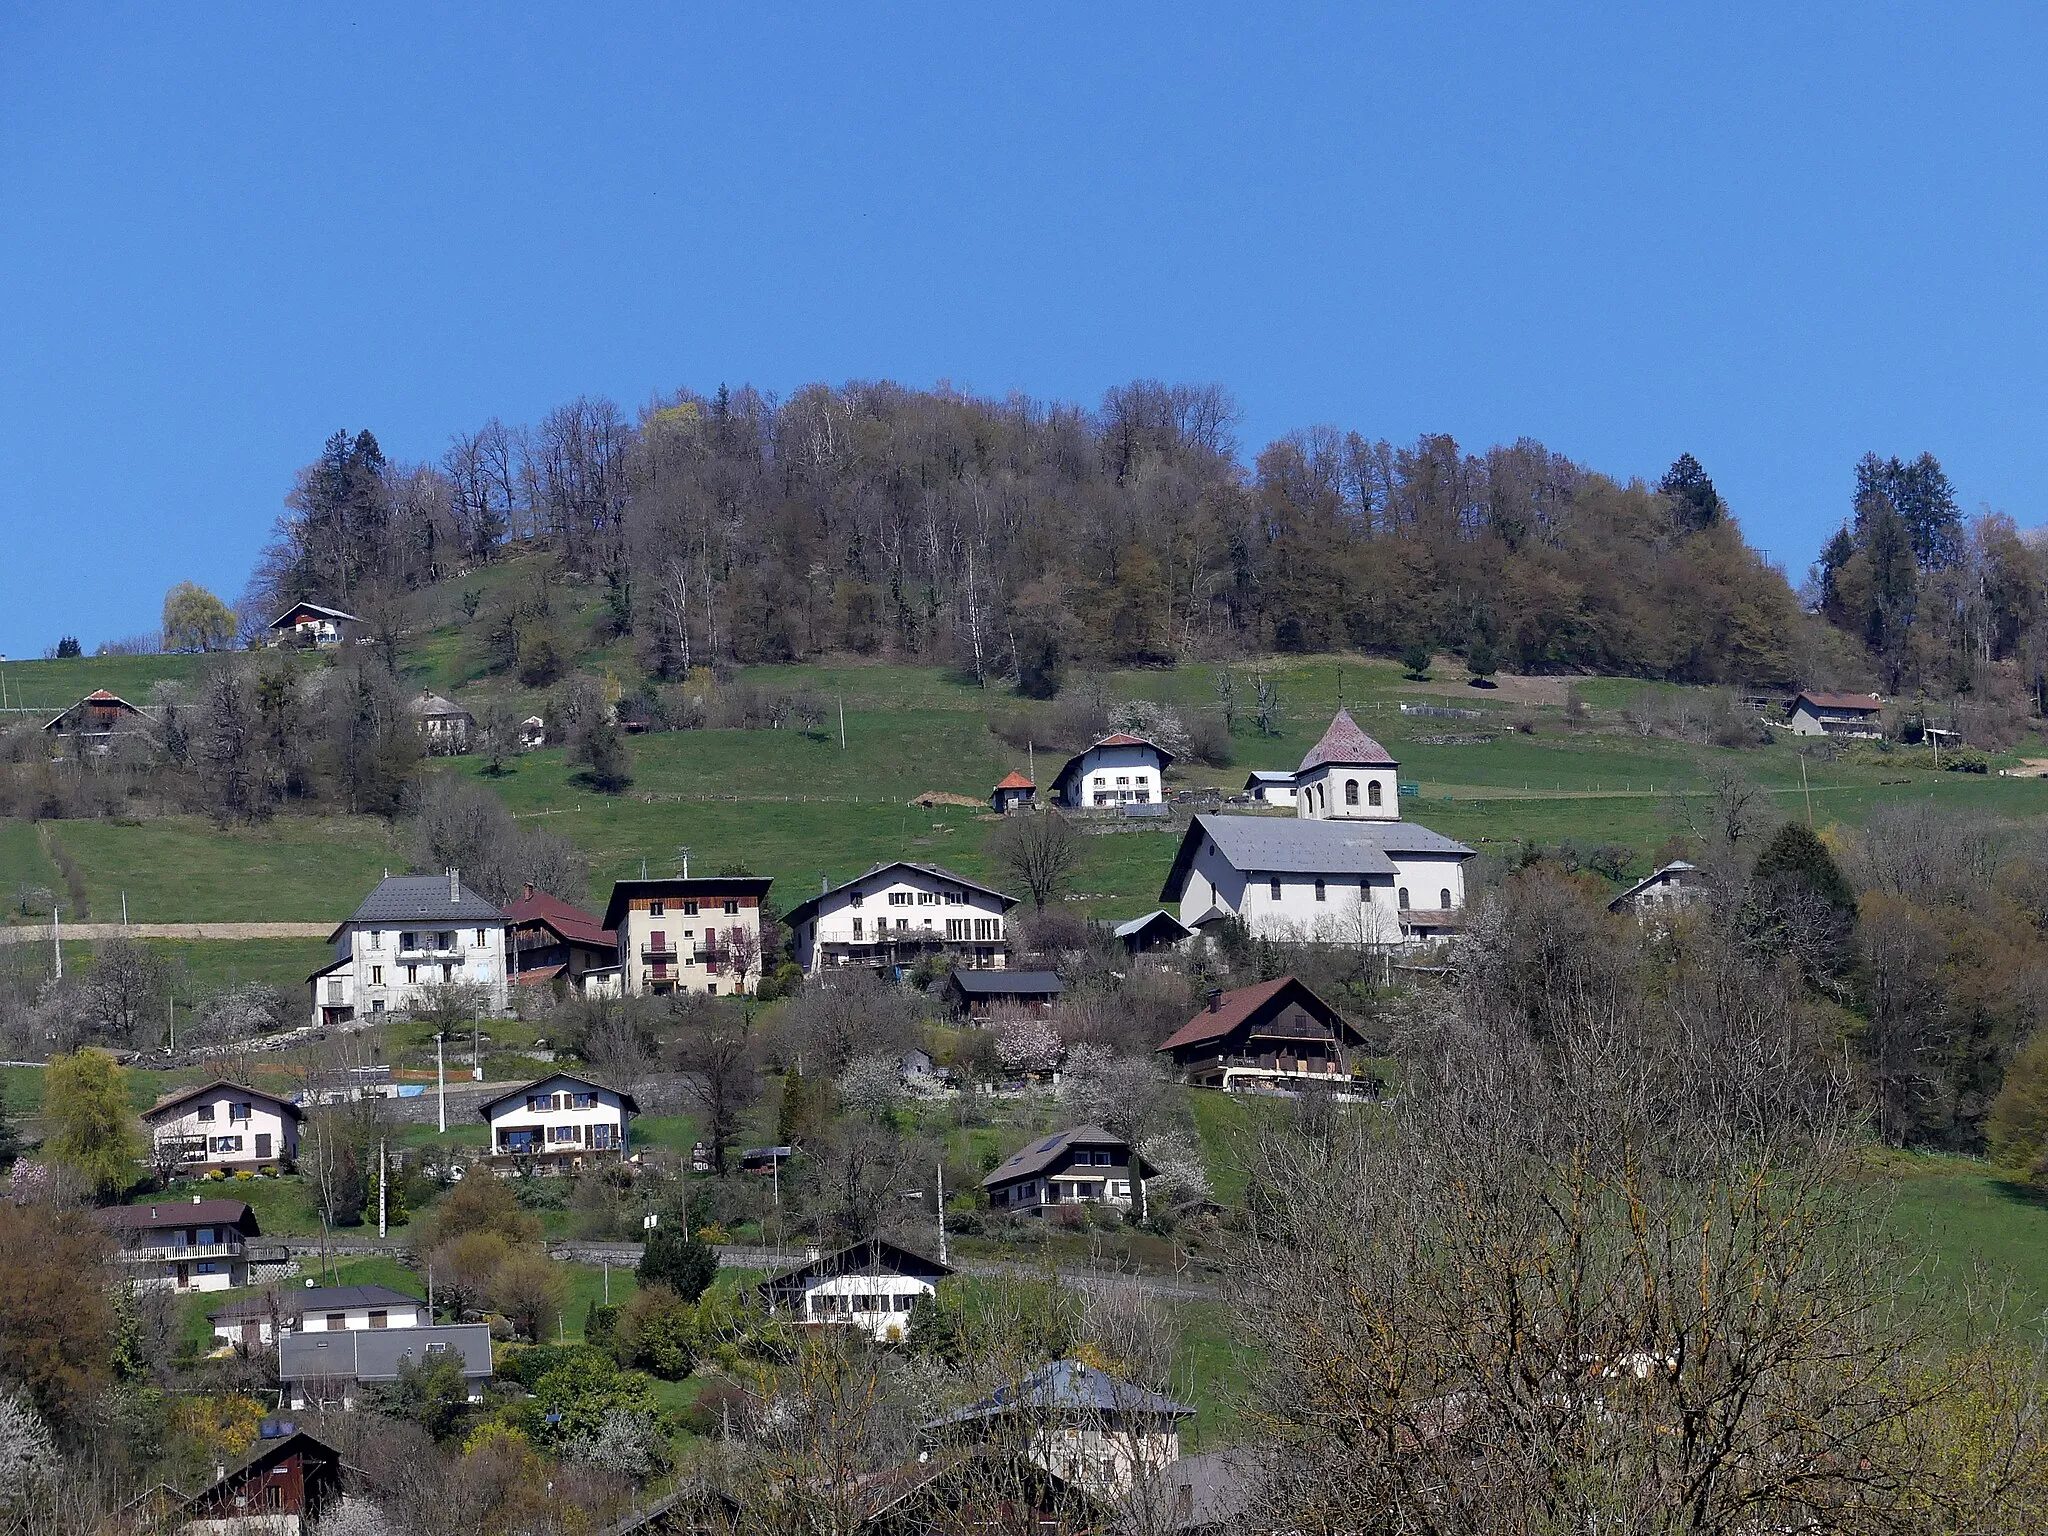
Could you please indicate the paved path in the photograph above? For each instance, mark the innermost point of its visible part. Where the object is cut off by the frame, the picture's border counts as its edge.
(40, 932)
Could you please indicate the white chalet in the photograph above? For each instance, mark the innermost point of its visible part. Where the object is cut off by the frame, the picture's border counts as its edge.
(257, 1320)
(1118, 770)
(872, 1286)
(224, 1125)
(895, 913)
(312, 624)
(412, 935)
(562, 1121)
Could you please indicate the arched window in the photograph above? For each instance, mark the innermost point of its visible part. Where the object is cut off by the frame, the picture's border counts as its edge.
(1404, 898)
(1322, 893)
(1351, 791)
(1372, 792)
(1444, 898)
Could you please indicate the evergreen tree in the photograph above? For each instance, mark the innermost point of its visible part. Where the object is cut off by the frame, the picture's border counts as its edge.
(677, 1258)
(1692, 494)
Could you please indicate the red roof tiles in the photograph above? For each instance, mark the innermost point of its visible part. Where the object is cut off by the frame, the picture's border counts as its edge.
(1231, 1010)
(1344, 742)
(570, 922)
(1015, 780)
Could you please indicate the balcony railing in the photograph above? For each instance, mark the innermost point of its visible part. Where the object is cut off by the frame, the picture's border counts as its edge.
(650, 953)
(167, 1253)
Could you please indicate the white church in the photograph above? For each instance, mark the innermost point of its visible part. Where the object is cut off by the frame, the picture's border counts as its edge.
(1344, 869)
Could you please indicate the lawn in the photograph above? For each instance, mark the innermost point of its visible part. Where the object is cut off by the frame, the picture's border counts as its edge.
(1971, 1238)
(47, 687)
(1213, 1368)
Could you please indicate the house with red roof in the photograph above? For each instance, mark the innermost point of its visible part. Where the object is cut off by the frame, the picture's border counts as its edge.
(548, 940)
(1120, 769)
(1347, 776)
(1015, 792)
(1275, 1035)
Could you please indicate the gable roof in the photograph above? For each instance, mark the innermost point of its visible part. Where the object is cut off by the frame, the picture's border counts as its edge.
(520, 1090)
(569, 922)
(1270, 845)
(1235, 1007)
(167, 1214)
(1071, 1385)
(316, 609)
(1138, 925)
(1037, 1156)
(266, 1453)
(325, 1298)
(421, 899)
(874, 1256)
(99, 698)
(1344, 742)
(1009, 983)
(185, 1095)
(1014, 780)
(1270, 776)
(1866, 703)
(803, 911)
(431, 704)
(374, 1354)
(1677, 867)
(700, 888)
(1115, 739)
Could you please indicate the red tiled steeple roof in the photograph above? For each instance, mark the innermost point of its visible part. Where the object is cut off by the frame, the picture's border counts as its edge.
(1344, 742)
(1015, 780)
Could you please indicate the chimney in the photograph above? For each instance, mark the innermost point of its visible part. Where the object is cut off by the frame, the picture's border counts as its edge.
(1215, 999)
(454, 886)
(529, 890)
(152, 1213)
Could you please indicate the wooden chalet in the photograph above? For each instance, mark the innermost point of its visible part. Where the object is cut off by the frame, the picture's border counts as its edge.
(1278, 1034)
(313, 624)
(978, 994)
(547, 940)
(872, 1285)
(1084, 1165)
(96, 720)
(285, 1483)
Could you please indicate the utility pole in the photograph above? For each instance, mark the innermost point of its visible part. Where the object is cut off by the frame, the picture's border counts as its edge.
(942, 1210)
(172, 1000)
(124, 909)
(57, 937)
(476, 1045)
(1806, 791)
(842, 722)
(441, 1082)
(383, 1228)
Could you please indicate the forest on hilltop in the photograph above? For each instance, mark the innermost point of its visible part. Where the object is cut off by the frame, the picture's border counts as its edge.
(1012, 538)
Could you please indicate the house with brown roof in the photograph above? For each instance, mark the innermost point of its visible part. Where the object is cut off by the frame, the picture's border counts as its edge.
(1120, 769)
(95, 722)
(445, 727)
(1278, 1034)
(286, 1482)
(224, 1125)
(548, 940)
(1014, 792)
(1085, 1165)
(1836, 714)
(201, 1245)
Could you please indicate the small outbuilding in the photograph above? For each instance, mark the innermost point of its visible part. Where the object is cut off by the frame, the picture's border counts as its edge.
(977, 994)
(1155, 931)
(1271, 786)
(1013, 793)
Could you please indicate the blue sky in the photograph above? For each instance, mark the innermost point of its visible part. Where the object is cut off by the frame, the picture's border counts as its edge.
(1773, 237)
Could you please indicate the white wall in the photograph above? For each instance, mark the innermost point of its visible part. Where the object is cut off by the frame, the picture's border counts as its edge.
(1114, 766)
(1353, 910)
(922, 905)
(559, 1115)
(210, 1117)
(381, 972)
(1320, 794)
(827, 1300)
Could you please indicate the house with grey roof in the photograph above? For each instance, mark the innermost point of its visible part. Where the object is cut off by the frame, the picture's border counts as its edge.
(1082, 1165)
(1083, 1425)
(445, 727)
(894, 914)
(1335, 880)
(262, 1319)
(331, 1368)
(413, 937)
(978, 994)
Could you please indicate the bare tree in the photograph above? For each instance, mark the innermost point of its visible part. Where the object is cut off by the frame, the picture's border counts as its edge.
(125, 990)
(1041, 849)
(717, 1054)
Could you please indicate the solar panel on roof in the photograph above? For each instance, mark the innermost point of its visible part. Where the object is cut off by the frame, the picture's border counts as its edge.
(1052, 1141)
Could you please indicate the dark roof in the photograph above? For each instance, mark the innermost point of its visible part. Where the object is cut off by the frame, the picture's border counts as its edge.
(430, 703)
(701, 887)
(1272, 845)
(422, 899)
(314, 608)
(325, 1298)
(185, 1095)
(1114, 739)
(875, 1256)
(805, 910)
(1344, 742)
(1677, 867)
(1009, 983)
(518, 1089)
(373, 1354)
(1039, 1155)
(168, 1214)
(570, 922)
(267, 1453)
(1138, 925)
(1070, 1385)
(1235, 1007)
(1218, 1486)
(1867, 703)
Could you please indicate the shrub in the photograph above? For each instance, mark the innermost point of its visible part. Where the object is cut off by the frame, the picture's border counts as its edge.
(678, 1260)
(657, 1331)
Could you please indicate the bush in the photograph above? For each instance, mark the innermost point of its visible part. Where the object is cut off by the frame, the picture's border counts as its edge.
(1209, 743)
(658, 1332)
(1966, 760)
(677, 1259)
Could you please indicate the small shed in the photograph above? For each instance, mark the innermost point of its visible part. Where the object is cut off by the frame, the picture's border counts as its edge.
(1155, 931)
(1014, 792)
(980, 993)
(1271, 786)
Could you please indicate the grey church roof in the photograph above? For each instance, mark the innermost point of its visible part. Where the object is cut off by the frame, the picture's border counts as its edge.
(424, 899)
(1271, 845)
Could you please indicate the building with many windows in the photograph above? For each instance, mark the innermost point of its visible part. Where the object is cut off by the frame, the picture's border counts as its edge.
(561, 1120)
(223, 1125)
(1118, 770)
(686, 935)
(203, 1245)
(412, 936)
(893, 915)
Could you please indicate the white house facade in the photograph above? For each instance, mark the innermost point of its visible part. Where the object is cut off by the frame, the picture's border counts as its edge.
(320, 1309)
(687, 935)
(896, 913)
(312, 624)
(224, 1125)
(871, 1286)
(1347, 776)
(561, 1120)
(412, 936)
(1118, 770)
(1336, 881)
(1270, 786)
